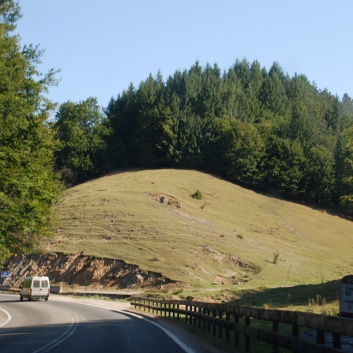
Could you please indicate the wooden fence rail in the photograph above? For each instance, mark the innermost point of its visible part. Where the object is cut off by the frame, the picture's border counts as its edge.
(229, 320)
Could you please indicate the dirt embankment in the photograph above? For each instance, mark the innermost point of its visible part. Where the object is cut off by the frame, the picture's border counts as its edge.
(82, 271)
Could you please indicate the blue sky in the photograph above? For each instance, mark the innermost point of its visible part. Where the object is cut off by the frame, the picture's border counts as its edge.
(103, 46)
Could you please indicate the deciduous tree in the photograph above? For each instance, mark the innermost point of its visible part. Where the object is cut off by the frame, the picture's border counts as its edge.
(81, 132)
(28, 186)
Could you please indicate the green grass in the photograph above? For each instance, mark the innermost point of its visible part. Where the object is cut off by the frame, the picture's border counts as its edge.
(150, 218)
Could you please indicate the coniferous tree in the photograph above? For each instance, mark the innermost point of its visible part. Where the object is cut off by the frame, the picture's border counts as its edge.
(319, 175)
(122, 114)
(236, 151)
(344, 171)
(273, 91)
(202, 119)
(303, 127)
(284, 164)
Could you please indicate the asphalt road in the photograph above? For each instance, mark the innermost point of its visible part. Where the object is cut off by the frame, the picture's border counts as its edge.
(71, 327)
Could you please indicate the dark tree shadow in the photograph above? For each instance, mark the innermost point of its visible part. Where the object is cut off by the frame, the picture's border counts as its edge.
(285, 296)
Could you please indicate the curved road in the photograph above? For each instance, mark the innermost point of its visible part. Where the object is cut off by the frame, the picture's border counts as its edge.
(71, 327)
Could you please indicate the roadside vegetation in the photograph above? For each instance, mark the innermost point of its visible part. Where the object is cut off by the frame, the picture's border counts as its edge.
(227, 182)
(224, 251)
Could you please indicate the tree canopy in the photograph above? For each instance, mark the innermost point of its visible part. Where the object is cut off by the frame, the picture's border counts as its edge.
(260, 128)
(28, 186)
(81, 134)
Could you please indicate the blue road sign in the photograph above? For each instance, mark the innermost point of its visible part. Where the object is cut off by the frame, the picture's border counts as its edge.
(5, 274)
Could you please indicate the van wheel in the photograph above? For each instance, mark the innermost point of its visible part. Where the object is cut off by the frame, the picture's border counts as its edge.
(21, 298)
(46, 299)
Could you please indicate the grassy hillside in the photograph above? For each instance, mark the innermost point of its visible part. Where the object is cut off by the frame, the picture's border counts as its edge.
(149, 218)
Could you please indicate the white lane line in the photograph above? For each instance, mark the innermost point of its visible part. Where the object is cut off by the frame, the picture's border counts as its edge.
(70, 330)
(180, 343)
(8, 317)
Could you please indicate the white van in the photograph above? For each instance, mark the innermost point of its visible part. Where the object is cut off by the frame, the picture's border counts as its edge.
(35, 288)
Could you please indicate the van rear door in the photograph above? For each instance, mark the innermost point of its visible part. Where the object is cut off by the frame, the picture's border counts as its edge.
(36, 288)
(45, 287)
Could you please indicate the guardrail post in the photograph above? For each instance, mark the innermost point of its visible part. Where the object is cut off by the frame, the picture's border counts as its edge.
(204, 310)
(194, 319)
(236, 333)
(220, 328)
(275, 328)
(208, 320)
(247, 338)
(199, 317)
(214, 314)
(227, 327)
(320, 337)
(336, 340)
(186, 313)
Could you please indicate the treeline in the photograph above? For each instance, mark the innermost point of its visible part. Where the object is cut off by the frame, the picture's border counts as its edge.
(256, 127)
(259, 128)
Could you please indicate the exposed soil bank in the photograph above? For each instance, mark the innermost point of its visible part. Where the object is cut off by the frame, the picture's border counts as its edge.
(82, 271)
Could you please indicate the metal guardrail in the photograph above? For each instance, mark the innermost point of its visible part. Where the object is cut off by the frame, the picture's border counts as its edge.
(226, 320)
(83, 293)
(9, 289)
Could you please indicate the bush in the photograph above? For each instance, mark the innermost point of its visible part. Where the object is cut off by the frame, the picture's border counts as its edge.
(197, 195)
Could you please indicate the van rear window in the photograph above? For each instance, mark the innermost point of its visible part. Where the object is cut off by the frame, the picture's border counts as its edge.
(45, 284)
(36, 284)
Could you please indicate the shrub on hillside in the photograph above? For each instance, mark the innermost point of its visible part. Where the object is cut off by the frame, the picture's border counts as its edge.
(197, 195)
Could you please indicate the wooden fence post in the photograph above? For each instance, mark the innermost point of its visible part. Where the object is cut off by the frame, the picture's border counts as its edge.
(220, 328)
(195, 316)
(227, 327)
(204, 310)
(199, 317)
(208, 320)
(236, 333)
(186, 313)
(247, 338)
(214, 331)
(320, 337)
(336, 340)
(275, 328)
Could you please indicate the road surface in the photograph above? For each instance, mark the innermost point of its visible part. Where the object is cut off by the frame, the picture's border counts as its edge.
(71, 327)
